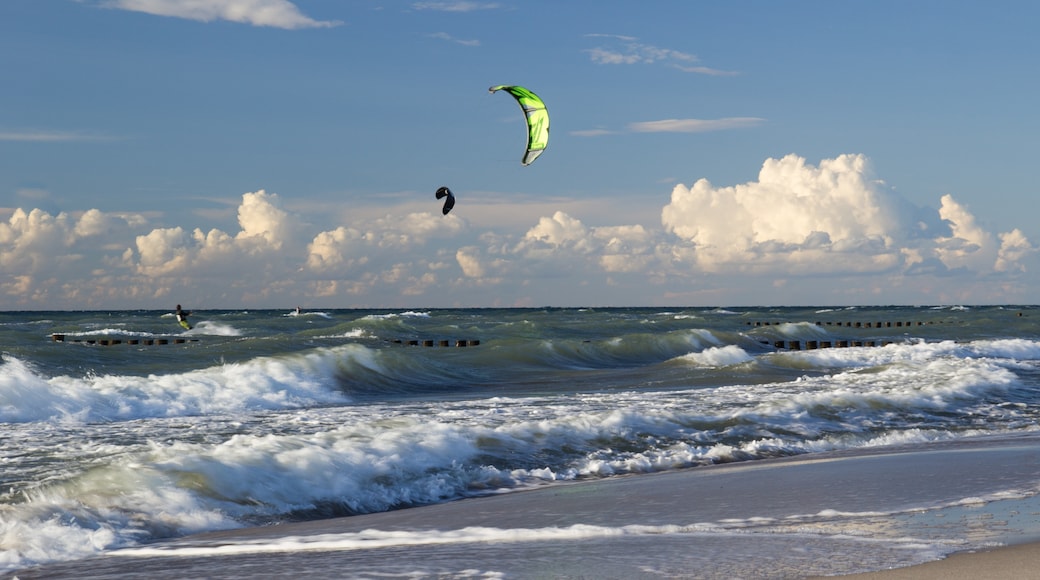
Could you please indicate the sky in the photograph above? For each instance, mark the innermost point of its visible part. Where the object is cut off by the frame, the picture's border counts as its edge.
(228, 154)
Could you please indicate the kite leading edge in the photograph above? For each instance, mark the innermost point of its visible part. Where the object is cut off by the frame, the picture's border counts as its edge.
(537, 120)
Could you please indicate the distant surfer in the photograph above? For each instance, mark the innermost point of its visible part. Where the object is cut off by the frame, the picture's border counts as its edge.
(182, 318)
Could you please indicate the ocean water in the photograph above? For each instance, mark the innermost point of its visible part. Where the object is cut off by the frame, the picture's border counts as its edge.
(260, 417)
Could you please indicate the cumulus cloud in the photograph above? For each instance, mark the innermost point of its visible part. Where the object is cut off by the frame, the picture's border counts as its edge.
(273, 13)
(1014, 248)
(469, 261)
(795, 223)
(37, 249)
(163, 252)
(262, 219)
(267, 237)
(831, 218)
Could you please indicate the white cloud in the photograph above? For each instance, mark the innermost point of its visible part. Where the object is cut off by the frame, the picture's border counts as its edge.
(273, 13)
(678, 126)
(1014, 248)
(48, 260)
(332, 250)
(636, 53)
(707, 70)
(694, 125)
(261, 217)
(51, 136)
(450, 38)
(559, 230)
(830, 219)
(456, 6)
(626, 50)
(469, 261)
(264, 246)
(163, 252)
(968, 245)
(28, 239)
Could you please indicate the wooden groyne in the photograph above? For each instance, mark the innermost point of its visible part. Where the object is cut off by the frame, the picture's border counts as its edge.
(428, 342)
(857, 324)
(59, 337)
(816, 344)
(56, 337)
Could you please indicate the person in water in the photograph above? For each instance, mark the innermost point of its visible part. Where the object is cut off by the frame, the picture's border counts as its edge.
(182, 318)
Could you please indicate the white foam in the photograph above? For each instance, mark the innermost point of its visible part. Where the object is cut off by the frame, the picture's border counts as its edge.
(214, 328)
(262, 383)
(324, 315)
(718, 356)
(374, 539)
(109, 332)
(406, 314)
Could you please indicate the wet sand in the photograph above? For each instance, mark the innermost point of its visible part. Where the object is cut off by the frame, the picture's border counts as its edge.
(828, 514)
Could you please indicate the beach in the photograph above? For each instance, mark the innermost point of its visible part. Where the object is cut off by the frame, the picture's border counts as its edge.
(903, 510)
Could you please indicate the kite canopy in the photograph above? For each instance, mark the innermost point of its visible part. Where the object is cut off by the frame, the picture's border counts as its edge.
(537, 120)
(448, 203)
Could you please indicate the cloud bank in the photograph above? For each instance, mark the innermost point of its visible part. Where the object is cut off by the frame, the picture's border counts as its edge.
(799, 234)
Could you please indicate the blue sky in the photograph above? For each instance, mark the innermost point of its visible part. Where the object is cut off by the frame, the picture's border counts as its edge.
(273, 153)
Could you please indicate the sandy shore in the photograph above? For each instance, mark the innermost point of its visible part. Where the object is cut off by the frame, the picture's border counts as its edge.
(829, 514)
(1020, 561)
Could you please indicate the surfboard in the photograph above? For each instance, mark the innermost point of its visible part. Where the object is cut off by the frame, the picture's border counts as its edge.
(185, 324)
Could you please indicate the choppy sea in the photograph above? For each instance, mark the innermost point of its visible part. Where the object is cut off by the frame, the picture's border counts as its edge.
(120, 429)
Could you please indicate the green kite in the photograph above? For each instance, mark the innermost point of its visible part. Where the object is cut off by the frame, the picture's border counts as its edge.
(537, 120)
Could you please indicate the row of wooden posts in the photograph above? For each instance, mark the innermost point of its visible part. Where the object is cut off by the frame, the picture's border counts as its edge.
(131, 341)
(898, 323)
(428, 342)
(815, 344)
(159, 341)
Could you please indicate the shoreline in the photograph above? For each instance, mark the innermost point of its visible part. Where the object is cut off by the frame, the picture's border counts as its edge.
(885, 511)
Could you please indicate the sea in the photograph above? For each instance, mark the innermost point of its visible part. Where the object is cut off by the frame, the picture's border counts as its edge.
(121, 430)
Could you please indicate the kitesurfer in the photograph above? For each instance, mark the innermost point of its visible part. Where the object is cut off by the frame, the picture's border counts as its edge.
(182, 318)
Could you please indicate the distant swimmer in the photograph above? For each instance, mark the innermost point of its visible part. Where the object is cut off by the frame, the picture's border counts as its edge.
(182, 318)
(297, 311)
